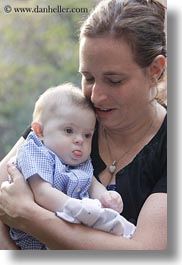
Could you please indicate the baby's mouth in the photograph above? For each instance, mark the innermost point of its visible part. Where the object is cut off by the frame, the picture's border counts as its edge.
(77, 153)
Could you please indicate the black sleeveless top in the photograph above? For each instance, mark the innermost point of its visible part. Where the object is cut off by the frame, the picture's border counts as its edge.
(146, 174)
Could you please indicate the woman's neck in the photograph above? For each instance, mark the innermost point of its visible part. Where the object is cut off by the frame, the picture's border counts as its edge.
(144, 125)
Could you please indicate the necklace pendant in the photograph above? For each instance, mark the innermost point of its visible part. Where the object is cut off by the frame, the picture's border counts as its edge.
(112, 167)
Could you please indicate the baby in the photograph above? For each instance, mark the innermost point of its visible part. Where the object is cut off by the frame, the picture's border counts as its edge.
(55, 160)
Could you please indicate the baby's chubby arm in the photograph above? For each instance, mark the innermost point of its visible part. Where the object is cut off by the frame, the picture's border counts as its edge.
(47, 196)
(109, 199)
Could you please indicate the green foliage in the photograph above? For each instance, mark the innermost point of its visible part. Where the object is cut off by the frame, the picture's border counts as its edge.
(37, 50)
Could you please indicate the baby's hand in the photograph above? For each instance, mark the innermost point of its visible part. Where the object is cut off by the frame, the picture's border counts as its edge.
(112, 199)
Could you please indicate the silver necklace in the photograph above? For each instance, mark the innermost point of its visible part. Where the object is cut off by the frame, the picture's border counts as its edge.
(112, 168)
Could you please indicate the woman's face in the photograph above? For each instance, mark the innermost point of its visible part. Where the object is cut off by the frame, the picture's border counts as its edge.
(111, 79)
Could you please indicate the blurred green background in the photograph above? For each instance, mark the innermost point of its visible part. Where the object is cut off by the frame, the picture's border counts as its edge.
(37, 50)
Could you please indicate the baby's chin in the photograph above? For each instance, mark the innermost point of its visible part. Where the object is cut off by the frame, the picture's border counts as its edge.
(74, 162)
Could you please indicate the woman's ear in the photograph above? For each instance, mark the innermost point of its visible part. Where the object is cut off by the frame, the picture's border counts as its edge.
(37, 128)
(157, 67)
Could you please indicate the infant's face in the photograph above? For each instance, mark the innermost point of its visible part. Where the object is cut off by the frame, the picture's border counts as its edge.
(69, 134)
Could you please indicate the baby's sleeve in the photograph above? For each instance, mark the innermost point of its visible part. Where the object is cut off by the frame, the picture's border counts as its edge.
(32, 159)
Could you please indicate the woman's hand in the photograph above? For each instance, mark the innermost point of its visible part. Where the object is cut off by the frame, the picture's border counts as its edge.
(14, 197)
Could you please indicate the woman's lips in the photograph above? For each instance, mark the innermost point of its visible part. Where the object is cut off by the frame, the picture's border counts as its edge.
(103, 111)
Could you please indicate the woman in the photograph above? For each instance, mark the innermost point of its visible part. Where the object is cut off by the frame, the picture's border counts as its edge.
(122, 58)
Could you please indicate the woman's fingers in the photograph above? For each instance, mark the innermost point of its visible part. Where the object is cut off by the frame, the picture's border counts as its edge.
(11, 193)
(13, 172)
(5, 184)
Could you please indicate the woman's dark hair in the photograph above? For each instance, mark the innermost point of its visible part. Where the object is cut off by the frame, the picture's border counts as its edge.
(139, 22)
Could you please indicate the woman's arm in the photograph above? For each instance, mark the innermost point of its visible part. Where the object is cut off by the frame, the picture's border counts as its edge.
(151, 232)
(3, 163)
(5, 241)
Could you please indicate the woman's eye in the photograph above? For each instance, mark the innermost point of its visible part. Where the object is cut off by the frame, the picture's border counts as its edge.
(88, 79)
(69, 130)
(115, 81)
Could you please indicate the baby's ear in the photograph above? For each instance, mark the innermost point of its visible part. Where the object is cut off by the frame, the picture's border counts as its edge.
(37, 128)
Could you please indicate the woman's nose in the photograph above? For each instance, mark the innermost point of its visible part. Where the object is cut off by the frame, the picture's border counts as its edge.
(98, 94)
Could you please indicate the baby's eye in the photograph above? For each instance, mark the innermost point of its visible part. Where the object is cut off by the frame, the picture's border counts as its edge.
(88, 135)
(68, 130)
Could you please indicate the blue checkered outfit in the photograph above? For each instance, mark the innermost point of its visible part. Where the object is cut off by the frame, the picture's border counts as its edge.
(35, 158)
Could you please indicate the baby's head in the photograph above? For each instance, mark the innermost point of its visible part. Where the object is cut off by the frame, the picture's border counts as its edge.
(65, 121)
(54, 98)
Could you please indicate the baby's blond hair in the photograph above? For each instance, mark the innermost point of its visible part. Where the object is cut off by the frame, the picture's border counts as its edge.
(53, 98)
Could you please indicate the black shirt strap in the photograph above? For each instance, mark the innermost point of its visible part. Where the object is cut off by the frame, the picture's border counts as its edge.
(26, 132)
